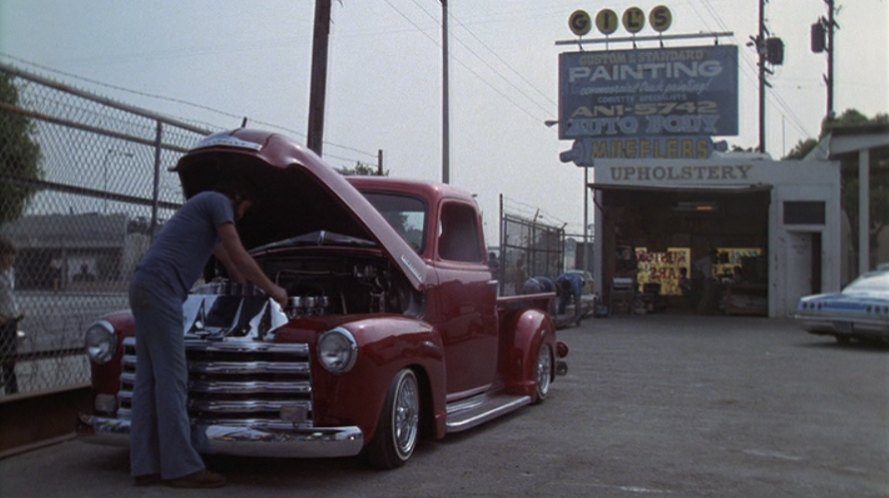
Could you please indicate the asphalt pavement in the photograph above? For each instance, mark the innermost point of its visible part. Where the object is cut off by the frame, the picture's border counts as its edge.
(653, 405)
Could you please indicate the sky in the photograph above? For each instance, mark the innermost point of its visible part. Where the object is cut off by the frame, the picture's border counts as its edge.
(214, 61)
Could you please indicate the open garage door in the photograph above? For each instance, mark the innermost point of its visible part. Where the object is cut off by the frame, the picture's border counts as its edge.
(656, 237)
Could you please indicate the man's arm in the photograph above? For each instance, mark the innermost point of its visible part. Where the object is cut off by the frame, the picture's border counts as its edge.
(233, 272)
(244, 264)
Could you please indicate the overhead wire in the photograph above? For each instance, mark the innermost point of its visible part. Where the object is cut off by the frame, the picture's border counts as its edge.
(488, 64)
(504, 62)
(464, 65)
(178, 101)
(787, 110)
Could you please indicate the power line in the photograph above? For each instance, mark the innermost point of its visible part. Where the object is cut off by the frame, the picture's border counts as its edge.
(787, 110)
(489, 65)
(509, 66)
(178, 101)
(464, 65)
(415, 25)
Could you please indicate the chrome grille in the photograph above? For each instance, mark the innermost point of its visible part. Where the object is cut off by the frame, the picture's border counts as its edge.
(238, 382)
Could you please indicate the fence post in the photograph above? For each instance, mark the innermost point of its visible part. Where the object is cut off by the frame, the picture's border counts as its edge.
(502, 248)
(155, 193)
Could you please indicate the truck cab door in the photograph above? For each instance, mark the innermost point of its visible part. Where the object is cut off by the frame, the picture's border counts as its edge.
(467, 299)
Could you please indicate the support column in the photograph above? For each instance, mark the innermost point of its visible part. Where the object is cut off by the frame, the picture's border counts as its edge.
(585, 262)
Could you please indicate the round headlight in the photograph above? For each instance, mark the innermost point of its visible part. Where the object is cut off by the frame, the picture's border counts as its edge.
(337, 350)
(100, 342)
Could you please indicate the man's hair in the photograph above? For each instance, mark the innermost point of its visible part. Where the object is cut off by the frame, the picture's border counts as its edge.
(236, 189)
(6, 247)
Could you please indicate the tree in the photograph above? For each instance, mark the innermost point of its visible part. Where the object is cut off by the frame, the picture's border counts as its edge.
(361, 169)
(738, 148)
(849, 118)
(801, 149)
(20, 155)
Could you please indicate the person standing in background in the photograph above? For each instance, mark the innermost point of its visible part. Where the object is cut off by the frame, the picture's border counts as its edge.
(10, 314)
(704, 268)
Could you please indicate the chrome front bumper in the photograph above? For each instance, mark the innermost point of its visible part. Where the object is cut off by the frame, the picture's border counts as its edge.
(245, 440)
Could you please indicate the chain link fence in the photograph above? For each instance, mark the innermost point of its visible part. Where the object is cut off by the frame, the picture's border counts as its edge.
(84, 184)
(528, 248)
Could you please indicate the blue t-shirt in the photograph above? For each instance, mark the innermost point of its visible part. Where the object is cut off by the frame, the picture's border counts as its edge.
(186, 242)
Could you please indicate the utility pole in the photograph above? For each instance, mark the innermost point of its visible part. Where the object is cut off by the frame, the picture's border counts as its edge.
(831, 25)
(319, 76)
(822, 41)
(770, 51)
(760, 49)
(445, 120)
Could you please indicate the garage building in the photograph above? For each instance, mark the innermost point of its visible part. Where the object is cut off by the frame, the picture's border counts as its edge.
(771, 230)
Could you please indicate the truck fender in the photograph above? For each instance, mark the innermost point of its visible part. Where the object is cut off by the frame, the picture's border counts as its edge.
(530, 330)
(385, 346)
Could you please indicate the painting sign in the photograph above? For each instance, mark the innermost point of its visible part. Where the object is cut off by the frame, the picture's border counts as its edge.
(664, 92)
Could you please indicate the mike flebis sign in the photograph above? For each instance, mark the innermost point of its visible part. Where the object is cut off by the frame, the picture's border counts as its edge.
(619, 94)
(586, 151)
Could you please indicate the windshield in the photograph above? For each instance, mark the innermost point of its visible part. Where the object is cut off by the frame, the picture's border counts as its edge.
(870, 282)
(407, 215)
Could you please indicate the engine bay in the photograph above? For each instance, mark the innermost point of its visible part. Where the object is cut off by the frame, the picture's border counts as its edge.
(326, 285)
(316, 285)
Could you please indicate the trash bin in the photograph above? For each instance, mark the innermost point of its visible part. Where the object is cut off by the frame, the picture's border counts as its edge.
(623, 289)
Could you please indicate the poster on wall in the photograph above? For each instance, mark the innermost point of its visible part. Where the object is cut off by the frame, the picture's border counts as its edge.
(663, 268)
(618, 94)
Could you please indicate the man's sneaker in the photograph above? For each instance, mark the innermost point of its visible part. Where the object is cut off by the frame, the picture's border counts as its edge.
(200, 479)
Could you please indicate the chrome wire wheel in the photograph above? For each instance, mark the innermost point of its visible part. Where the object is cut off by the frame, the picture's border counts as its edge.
(398, 429)
(544, 371)
(406, 414)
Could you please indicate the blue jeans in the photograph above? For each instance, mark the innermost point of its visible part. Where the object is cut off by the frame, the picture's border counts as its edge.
(160, 434)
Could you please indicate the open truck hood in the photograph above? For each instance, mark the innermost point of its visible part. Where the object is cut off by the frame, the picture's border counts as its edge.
(296, 193)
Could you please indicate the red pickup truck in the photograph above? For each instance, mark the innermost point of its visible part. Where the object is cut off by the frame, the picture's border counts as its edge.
(393, 328)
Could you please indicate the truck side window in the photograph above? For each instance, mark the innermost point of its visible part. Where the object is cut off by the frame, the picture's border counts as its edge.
(459, 234)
